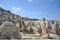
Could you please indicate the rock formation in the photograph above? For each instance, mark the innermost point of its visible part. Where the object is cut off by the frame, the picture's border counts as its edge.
(53, 25)
(27, 24)
(44, 29)
(9, 31)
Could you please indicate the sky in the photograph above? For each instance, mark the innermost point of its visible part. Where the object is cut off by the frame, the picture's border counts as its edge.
(49, 9)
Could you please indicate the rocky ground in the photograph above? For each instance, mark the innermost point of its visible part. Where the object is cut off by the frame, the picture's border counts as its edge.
(38, 36)
(6, 15)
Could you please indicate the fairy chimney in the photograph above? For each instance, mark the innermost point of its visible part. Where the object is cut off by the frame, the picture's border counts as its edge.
(53, 25)
(43, 26)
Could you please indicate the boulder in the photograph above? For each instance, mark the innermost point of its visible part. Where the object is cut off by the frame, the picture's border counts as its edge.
(9, 31)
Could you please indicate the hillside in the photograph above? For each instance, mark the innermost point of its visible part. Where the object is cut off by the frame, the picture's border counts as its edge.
(8, 15)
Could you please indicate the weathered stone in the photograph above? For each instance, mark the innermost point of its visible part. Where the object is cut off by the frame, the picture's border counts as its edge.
(9, 31)
(44, 29)
(39, 28)
(30, 29)
(54, 36)
(53, 25)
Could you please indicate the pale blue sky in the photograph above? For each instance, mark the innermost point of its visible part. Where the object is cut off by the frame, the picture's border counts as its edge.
(49, 9)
